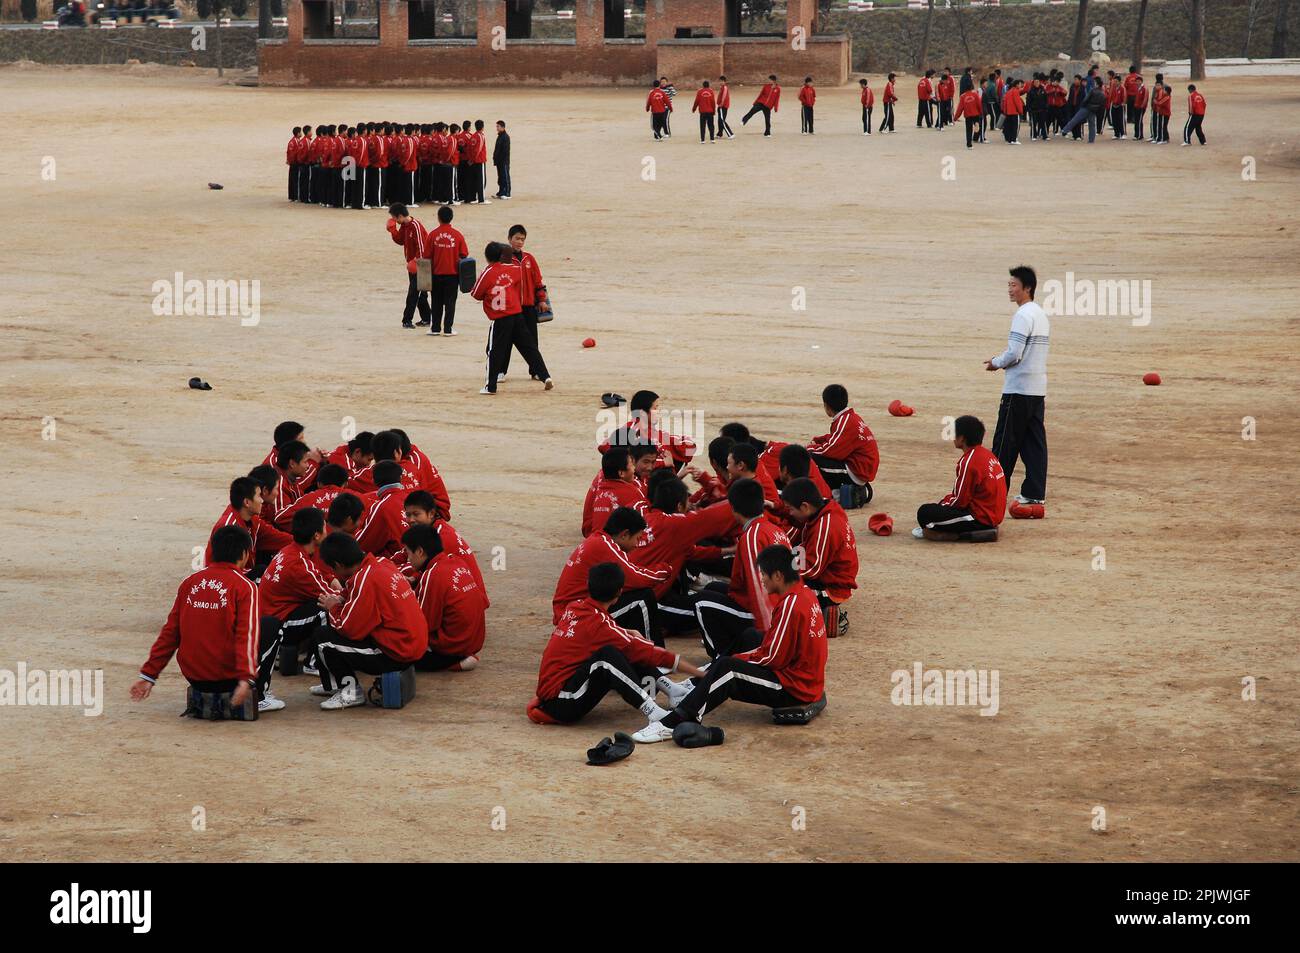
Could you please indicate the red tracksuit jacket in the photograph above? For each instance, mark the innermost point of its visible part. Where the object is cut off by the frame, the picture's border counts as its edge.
(212, 630)
(868, 97)
(981, 486)
(293, 150)
(794, 648)
(604, 496)
(724, 96)
(320, 499)
(599, 548)
(1196, 104)
(851, 441)
(580, 631)
(830, 551)
(947, 88)
(414, 239)
(499, 288)
(452, 542)
(381, 533)
(746, 584)
(1141, 98)
(532, 284)
(308, 477)
(770, 96)
(706, 102)
(657, 102)
(417, 474)
(890, 95)
(807, 95)
(266, 538)
(670, 538)
(447, 247)
(293, 578)
(453, 603)
(1011, 103)
(969, 105)
(380, 603)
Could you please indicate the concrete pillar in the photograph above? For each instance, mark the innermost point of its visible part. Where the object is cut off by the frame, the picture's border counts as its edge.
(294, 15)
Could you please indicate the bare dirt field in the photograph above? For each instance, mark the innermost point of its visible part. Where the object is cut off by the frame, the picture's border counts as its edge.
(1119, 688)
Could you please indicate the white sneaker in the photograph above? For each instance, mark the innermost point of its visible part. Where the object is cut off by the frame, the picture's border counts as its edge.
(269, 702)
(349, 696)
(500, 378)
(321, 690)
(490, 393)
(1026, 501)
(448, 334)
(676, 691)
(309, 669)
(918, 533)
(653, 732)
(467, 664)
(548, 384)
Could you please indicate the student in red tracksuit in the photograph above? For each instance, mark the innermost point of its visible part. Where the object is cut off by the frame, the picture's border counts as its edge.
(381, 533)
(420, 509)
(787, 669)
(868, 99)
(724, 105)
(293, 159)
(418, 473)
(244, 511)
(616, 485)
(360, 154)
(290, 430)
(706, 104)
(293, 583)
(783, 463)
(424, 175)
(673, 535)
(970, 108)
(1162, 105)
(338, 150)
(1195, 117)
(291, 466)
(452, 156)
(807, 98)
(354, 455)
(1137, 107)
(890, 97)
(848, 455)
(452, 600)
(675, 451)
(1013, 108)
(376, 623)
(533, 299)
(464, 182)
(658, 105)
(622, 533)
(410, 163)
(213, 630)
(446, 247)
(925, 99)
(824, 539)
(736, 619)
(945, 91)
(329, 484)
(590, 655)
(1131, 83)
(476, 150)
(978, 500)
(742, 464)
(411, 234)
(767, 102)
(499, 288)
(376, 163)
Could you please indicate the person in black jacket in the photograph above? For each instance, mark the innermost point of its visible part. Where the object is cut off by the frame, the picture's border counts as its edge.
(501, 159)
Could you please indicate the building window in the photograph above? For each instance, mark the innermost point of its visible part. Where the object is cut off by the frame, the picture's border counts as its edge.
(442, 19)
(754, 18)
(625, 19)
(334, 19)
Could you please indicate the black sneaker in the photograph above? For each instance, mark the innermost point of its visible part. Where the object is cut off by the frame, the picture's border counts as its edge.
(407, 325)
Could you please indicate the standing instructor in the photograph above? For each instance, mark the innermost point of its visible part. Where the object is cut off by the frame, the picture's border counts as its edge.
(1020, 433)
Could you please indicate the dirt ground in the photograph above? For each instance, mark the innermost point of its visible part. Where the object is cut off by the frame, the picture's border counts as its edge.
(1119, 688)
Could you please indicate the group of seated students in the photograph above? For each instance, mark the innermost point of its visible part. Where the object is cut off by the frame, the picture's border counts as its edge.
(340, 564)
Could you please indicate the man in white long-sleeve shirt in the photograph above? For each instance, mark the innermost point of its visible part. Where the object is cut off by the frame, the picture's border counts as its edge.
(1020, 433)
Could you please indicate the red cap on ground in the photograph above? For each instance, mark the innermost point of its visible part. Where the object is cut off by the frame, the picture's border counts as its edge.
(1027, 511)
(899, 409)
(882, 524)
(589, 342)
(1152, 379)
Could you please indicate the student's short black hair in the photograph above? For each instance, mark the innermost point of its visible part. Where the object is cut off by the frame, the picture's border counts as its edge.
(423, 536)
(746, 497)
(1025, 275)
(444, 214)
(307, 522)
(265, 475)
(807, 79)
(345, 506)
(778, 561)
(891, 77)
(331, 474)
(517, 230)
(862, 82)
(745, 455)
(386, 444)
(639, 451)
(495, 251)
(340, 549)
(291, 451)
(361, 442)
(297, 130)
(501, 123)
(405, 440)
(795, 459)
(421, 500)
(1191, 87)
(835, 396)
(670, 494)
(614, 461)
(386, 472)
(642, 400)
(736, 431)
(242, 489)
(605, 581)
(478, 124)
(397, 210)
(719, 447)
(289, 430)
(230, 544)
(706, 84)
(656, 84)
(801, 491)
(772, 77)
(970, 429)
(722, 79)
(658, 476)
(624, 520)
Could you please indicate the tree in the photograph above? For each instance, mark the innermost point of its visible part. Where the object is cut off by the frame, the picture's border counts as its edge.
(1139, 40)
(1279, 29)
(1080, 31)
(924, 52)
(1252, 10)
(1198, 40)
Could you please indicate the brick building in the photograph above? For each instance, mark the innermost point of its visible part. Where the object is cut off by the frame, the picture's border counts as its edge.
(414, 43)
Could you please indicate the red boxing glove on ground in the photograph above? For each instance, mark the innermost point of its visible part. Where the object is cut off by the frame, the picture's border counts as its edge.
(899, 409)
(882, 524)
(1151, 380)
